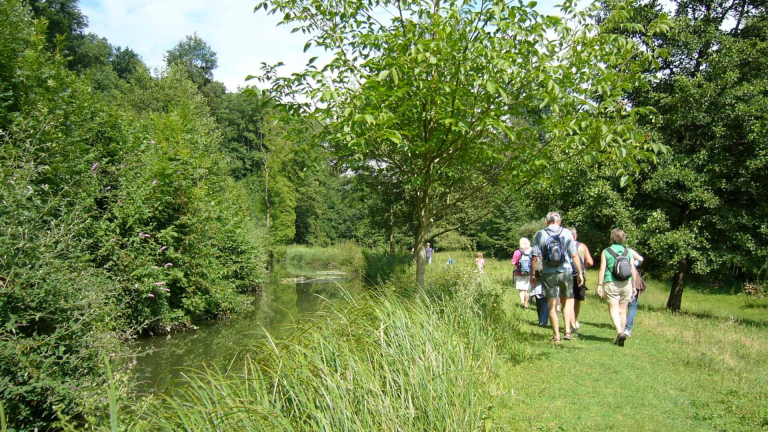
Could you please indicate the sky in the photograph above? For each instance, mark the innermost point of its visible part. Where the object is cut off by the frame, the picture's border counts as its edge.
(241, 38)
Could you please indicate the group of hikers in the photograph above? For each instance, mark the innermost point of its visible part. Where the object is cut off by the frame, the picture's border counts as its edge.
(552, 269)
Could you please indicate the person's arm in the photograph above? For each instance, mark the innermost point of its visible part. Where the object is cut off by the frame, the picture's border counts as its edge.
(636, 256)
(601, 275)
(516, 257)
(588, 261)
(535, 255)
(634, 273)
(575, 260)
(579, 271)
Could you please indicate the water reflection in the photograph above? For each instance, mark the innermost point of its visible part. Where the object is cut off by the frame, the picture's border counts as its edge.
(291, 294)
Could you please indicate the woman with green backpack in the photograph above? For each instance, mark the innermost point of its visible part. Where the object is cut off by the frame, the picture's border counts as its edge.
(614, 281)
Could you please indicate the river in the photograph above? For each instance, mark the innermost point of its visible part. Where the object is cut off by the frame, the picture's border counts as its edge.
(292, 294)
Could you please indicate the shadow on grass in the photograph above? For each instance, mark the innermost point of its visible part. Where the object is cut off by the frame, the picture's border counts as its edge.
(707, 316)
(589, 337)
(755, 305)
(600, 325)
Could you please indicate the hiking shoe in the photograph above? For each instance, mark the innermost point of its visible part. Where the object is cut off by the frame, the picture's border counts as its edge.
(628, 333)
(620, 339)
(575, 329)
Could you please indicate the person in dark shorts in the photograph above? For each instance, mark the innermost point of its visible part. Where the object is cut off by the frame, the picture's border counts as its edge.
(555, 248)
(580, 291)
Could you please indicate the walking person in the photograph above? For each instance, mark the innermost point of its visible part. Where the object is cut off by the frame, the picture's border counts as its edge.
(580, 291)
(429, 251)
(556, 249)
(522, 260)
(480, 262)
(639, 287)
(537, 292)
(616, 270)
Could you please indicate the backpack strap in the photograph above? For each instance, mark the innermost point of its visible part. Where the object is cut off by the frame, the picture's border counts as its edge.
(625, 253)
(613, 252)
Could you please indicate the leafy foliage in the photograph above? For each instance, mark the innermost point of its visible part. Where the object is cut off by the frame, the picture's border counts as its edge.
(122, 217)
(196, 57)
(447, 100)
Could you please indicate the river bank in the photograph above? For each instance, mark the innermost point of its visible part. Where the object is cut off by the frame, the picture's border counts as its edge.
(291, 294)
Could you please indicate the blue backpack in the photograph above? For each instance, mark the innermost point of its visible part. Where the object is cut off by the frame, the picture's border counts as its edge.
(524, 264)
(554, 250)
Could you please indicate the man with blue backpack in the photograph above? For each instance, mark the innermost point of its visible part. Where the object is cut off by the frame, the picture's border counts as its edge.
(556, 249)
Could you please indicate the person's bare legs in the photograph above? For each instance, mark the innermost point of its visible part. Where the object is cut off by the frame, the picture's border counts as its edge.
(567, 307)
(552, 303)
(623, 315)
(527, 298)
(576, 310)
(615, 310)
(523, 295)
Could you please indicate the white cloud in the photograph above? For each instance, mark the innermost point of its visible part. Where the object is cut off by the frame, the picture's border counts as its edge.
(242, 39)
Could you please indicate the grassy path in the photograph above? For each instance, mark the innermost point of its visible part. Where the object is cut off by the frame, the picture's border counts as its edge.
(677, 372)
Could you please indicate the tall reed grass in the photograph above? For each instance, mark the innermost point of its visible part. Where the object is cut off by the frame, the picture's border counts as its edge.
(385, 362)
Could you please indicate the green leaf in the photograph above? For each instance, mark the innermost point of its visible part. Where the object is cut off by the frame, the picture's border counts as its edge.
(307, 46)
(383, 74)
(624, 180)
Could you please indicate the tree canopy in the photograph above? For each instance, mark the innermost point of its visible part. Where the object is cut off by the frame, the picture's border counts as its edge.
(450, 100)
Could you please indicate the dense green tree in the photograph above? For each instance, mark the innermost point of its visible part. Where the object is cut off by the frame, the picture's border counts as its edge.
(125, 62)
(698, 211)
(435, 98)
(196, 57)
(240, 116)
(65, 22)
(15, 36)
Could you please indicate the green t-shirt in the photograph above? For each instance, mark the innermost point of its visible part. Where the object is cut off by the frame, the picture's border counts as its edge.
(610, 261)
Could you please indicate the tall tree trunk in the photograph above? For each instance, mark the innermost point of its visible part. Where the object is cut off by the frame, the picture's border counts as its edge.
(422, 231)
(266, 194)
(678, 283)
(266, 185)
(421, 255)
(391, 232)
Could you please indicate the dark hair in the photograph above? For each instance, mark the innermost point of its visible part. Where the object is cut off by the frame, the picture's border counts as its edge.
(618, 237)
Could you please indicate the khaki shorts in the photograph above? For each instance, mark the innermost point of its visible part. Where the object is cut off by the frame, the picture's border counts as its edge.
(557, 284)
(619, 290)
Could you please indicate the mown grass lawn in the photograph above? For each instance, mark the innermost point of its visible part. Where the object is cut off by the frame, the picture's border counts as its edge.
(703, 369)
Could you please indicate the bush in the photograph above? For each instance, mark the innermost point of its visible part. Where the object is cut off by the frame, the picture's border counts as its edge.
(347, 256)
(381, 266)
(60, 315)
(176, 230)
(454, 241)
